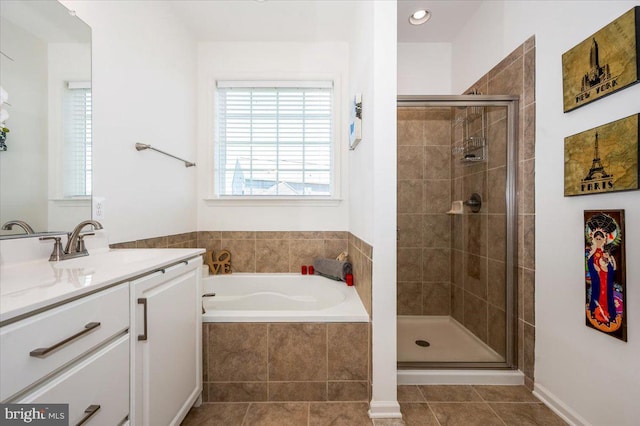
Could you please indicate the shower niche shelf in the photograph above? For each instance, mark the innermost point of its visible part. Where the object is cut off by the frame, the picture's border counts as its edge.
(470, 124)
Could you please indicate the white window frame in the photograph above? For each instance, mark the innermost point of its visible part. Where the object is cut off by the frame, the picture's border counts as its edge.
(87, 169)
(264, 200)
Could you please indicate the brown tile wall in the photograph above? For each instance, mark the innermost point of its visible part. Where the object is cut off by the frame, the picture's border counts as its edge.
(361, 255)
(264, 252)
(256, 251)
(424, 197)
(186, 240)
(514, 75)
(286, 362)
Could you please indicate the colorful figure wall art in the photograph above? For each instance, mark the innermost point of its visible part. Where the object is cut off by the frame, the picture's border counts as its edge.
(605, 272)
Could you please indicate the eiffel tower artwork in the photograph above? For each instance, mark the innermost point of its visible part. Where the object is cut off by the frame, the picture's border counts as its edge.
(597, 179)
(603, 159)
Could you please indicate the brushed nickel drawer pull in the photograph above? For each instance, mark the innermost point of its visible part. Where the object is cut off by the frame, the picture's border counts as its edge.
(43, 352)
(90, 411)
(143, 301)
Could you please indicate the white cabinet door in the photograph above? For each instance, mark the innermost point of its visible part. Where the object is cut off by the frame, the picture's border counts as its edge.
(166, 346)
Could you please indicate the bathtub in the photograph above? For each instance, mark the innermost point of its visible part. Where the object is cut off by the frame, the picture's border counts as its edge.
(243, 297)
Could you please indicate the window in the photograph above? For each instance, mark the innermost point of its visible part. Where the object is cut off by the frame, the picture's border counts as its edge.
(274, 139)
(76, 158)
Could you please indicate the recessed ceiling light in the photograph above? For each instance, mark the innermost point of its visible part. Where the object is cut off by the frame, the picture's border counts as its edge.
(419, 17)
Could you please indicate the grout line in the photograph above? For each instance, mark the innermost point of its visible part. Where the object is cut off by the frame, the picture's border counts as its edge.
(473, 387)
(434, 414)
(246, 414)
(268, 361)
(326, 350)
(494, 412)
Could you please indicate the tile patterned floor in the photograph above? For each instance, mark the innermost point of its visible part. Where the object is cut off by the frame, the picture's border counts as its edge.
(473, 405)
(420, 405)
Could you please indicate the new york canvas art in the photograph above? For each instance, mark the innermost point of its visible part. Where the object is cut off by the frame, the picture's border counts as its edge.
(603, 63)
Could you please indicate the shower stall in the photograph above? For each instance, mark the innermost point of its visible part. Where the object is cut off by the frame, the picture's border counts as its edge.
(457, 223)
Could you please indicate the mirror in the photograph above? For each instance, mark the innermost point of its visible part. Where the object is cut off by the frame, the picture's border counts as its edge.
(45, 148)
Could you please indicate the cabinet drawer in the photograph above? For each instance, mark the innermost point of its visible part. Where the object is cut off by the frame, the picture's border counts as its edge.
(37, 346)
(101, 380)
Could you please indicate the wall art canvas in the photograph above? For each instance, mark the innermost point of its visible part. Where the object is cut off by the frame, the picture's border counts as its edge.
(604, 63)
(604, 251)
(602, 159)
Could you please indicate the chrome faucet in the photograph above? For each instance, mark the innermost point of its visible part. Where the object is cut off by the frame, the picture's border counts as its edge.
(24, 225)
(75, 243)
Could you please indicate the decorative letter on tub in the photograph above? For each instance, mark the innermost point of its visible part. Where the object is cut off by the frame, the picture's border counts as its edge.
(220, 263)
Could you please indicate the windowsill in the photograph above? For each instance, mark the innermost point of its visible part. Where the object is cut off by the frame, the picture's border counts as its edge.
(272, 201)
(72, 201)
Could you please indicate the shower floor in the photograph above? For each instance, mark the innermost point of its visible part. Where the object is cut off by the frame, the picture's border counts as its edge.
(449, 341)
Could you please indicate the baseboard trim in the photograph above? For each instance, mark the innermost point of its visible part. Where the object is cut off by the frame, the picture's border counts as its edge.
(460, 377)
(557, 406)
(384, 410)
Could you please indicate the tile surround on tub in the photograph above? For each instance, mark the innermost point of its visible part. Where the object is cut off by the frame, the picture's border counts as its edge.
(256, 251)
(286, 362)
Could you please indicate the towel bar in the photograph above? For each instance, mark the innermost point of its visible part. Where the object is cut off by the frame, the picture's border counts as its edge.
(142, 146)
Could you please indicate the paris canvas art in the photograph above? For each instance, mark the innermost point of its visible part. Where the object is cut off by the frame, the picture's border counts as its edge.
(604, 63)
(602, 159)
(604, 260)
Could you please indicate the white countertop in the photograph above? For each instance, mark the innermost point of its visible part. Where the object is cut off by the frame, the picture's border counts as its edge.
(33, 285)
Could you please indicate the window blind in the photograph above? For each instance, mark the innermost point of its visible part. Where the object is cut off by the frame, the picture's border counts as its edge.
(76, 158)
(274, 141)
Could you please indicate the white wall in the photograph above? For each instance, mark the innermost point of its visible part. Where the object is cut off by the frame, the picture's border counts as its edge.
(480, 45)
(270, 61)
(144, 71)
(23, 167)
(592, 377)
(361, 159)
(424, 69)
(372, 207)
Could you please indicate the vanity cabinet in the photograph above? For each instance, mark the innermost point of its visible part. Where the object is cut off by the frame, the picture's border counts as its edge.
(166, 355)
(71, 354)
(128, 351)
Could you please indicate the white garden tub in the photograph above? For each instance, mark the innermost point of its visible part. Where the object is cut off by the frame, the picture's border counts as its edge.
(243, 297)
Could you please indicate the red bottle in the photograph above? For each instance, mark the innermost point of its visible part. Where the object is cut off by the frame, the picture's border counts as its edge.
(304, 270)
(311, 270)
(349, 279)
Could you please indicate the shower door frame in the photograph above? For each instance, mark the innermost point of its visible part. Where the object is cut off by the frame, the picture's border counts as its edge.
(511, 265)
